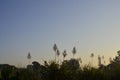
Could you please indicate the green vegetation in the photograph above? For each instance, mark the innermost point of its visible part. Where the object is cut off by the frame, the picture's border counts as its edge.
(66, 70)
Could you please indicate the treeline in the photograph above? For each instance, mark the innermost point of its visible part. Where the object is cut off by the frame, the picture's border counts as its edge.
(65, 70)
(68, 70)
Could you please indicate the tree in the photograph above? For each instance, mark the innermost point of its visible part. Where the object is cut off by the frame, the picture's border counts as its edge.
(74, 51)
(29, 56)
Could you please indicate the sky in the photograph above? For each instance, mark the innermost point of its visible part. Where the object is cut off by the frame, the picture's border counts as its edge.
(92, 26)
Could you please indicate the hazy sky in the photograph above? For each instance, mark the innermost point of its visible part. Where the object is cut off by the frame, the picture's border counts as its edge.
(93, 26)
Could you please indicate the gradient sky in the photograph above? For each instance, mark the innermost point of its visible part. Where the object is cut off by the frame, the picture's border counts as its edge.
(93, 26)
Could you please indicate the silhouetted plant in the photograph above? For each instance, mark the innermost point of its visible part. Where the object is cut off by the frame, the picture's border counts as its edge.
(99, 60)
(64, 54)
(92, 55)
(29, 56)
(53, 70)
(74, 51)
(90, 73)
(55, 49)
(67, 70)
(7, 72)
(118, 52)
(103, 60)
(58, 53)
(117, 58)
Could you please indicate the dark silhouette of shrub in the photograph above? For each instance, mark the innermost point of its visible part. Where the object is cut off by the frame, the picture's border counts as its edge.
(66, 70)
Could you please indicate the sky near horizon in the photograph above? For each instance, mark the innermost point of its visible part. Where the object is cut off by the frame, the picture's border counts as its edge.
(93, 26)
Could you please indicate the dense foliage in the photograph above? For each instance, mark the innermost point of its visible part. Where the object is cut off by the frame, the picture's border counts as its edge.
(66, 70)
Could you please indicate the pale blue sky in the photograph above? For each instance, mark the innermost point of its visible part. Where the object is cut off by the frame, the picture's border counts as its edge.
(90, 25)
